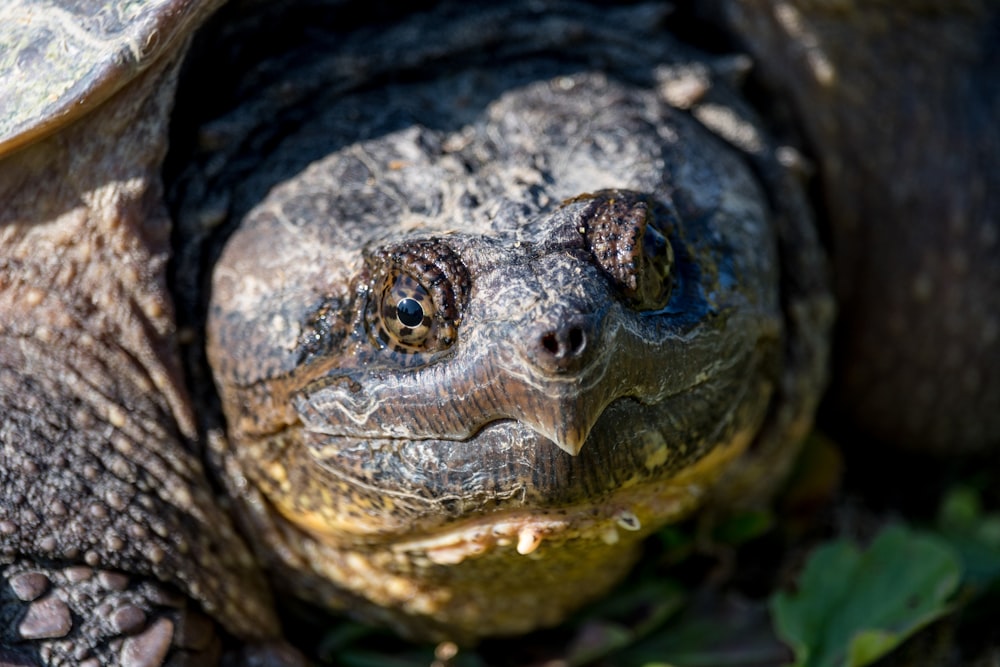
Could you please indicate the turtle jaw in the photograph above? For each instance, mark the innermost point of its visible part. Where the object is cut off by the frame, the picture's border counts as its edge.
(639, 507)
(359, 489)
(565, 433)
(558, 413)
(491, 573)
(498, 534)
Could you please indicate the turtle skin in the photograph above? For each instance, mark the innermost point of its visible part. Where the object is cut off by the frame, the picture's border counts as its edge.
(109, 529)
(905, 145)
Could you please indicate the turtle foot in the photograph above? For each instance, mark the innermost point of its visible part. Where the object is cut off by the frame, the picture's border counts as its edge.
(78, 615)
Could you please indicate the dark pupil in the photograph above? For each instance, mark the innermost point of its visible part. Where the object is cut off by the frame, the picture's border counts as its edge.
(409, 312)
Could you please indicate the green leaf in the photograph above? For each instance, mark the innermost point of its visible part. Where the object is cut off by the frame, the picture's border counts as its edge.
(715, 630)
(852, 607)
(961, 509)
(974, 534)
(868, 646)
(624, 619)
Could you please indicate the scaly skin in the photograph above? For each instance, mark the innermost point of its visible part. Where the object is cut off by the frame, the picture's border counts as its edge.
(106, 513)
(110, 536)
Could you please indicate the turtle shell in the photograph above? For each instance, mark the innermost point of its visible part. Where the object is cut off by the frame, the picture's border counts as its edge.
(62, 59)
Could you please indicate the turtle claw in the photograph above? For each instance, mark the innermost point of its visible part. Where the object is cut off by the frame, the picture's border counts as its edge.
(89, 617)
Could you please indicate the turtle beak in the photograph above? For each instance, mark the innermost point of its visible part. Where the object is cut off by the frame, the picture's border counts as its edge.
(567, 422)
(564, 364)
(569, 438)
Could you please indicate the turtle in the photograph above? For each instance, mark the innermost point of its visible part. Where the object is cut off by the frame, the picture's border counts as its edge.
(433, 314)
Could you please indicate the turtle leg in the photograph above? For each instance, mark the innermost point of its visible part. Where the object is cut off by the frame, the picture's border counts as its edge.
(107, 521)
(111, 536)
(79, 615)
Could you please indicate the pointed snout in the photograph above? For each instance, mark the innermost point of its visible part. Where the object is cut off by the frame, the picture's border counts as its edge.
(564, 358)
(566, 422)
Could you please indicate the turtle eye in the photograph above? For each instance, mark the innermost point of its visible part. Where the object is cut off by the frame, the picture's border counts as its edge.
(658, 261)
(406, 313)
(419, 291)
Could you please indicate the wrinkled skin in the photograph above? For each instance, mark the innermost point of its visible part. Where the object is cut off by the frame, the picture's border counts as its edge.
(108, 527)
(114, 548)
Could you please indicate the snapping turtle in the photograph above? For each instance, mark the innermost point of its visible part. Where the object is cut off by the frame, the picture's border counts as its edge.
(477, 319)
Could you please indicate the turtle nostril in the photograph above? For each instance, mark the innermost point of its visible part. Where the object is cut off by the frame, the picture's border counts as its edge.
(551, 343)
(565, 343)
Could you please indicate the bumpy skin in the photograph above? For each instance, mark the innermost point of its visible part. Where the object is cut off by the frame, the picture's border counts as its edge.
(607, 334)
(112, 544)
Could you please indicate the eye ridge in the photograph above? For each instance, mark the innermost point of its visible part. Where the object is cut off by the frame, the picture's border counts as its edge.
(627, 234)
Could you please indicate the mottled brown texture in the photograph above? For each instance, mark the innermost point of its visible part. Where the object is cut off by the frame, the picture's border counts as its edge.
(61, 60)
(88, 615)
(628, 238)
(97, 462)
(508, 289)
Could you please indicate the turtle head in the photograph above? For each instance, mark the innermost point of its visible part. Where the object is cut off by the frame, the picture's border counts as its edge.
(570, 373)
(460, 391)
(575, 340)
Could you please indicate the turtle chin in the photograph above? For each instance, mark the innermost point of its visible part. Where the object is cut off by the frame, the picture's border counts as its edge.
(501, 533)
(634, 469)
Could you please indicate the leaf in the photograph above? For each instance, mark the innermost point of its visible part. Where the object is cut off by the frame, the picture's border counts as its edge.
(960, 510)
(852, 607)
(868, 646)
(715, 630)
(974, 534)
(624, 619)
